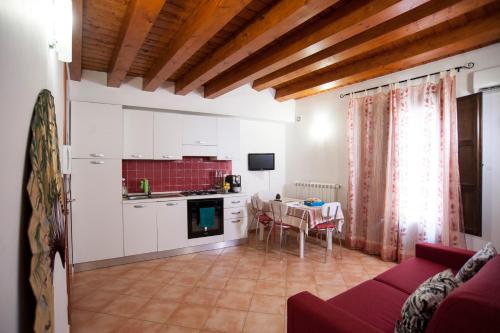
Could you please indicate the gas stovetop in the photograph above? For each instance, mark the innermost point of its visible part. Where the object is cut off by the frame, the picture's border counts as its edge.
(200, 192)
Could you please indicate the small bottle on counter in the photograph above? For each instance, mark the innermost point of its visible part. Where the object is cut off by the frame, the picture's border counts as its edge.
(124, 188)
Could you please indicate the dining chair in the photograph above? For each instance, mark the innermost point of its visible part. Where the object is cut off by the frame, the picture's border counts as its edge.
(329, 223)
(260, 218)
(279, 211)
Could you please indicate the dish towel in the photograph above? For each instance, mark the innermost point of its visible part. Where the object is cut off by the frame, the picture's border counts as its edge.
(207, 217)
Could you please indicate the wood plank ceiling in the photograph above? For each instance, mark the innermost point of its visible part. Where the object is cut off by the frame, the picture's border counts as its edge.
(297, 47)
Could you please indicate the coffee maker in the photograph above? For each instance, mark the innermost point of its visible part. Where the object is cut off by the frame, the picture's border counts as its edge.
(234, 183)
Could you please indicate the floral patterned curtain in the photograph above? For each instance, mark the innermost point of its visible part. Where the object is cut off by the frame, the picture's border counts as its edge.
(403, 170)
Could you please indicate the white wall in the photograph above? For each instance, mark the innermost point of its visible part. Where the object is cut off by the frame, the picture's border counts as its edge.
(27, 66)
(317, 145)
(262, 137)
(242, 102)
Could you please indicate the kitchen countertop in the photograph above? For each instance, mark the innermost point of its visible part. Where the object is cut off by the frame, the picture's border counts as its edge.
(207, 196)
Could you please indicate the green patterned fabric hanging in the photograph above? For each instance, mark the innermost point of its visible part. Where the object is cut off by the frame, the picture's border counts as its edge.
(47, 228)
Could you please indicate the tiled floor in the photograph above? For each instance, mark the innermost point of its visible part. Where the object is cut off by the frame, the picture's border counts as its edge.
(236, 289)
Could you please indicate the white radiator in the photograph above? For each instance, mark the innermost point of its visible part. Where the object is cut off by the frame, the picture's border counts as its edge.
(327, 192)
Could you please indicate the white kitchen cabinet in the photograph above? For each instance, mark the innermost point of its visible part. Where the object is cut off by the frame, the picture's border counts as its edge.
(199, 130)
(167, 136)
(171, 218)
(235, 229)
(139, 228)
(97, 228)
(235, 217)
(96, 130)
(228, 139)
(138, 134)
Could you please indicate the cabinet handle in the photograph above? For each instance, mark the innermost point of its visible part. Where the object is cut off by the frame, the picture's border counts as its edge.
(97, 162)
(139, 206)
(235, 202)
(236, 221)
(136, 155)
(201, 142)
(97, 155)
(167, 156)
(171, 204)
(236, 213)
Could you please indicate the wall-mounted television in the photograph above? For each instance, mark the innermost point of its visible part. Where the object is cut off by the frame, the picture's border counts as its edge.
(259, 162)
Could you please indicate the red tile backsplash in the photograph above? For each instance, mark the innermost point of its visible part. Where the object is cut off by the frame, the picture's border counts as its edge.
(190, 173)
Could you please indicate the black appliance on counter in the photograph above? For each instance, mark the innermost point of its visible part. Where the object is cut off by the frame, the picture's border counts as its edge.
(205, 217)
(234, 183)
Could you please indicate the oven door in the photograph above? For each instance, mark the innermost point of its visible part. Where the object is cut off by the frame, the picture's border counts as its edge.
(205, 217)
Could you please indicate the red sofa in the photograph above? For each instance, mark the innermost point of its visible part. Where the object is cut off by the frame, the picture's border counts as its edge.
(375, 305)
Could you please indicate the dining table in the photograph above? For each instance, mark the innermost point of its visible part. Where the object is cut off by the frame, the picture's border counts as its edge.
(302, 217)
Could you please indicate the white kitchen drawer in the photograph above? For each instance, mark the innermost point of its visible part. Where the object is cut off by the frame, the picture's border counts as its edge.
(235, 213)
(231, 202)
(235, 228)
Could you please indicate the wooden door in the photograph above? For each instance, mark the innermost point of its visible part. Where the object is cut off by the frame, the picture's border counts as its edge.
(470, 160)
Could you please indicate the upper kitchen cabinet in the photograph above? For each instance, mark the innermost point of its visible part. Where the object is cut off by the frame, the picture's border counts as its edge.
(167, 136)
(138, 134)
(199, 136)
(96, 130)
(199, 130)
(228, 139)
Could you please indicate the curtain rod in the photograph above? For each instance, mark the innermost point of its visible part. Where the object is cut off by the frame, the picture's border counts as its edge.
(469, 65)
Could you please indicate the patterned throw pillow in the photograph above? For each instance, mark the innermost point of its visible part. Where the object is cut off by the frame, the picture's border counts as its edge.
(474, 264)
(421, 305)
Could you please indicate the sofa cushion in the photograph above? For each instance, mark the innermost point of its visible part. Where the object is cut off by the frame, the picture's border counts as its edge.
(373, 302)
(474, 306)
(421, 305)
(408, 275)
(474, 264)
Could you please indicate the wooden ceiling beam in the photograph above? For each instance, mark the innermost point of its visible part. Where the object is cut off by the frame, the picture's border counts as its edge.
(351, 19)
(436, 46)
(75, 67)
(281, 18)
(141, 14)
(418, 19)
(209, 17)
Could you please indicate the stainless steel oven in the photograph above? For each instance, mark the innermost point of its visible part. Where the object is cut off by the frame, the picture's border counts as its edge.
(205, 217)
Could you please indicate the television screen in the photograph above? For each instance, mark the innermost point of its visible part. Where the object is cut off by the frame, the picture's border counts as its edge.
(261, 161)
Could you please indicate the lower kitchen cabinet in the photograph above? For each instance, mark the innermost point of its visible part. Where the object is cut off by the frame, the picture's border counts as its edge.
(235, 229)
(171, 219)
(139, 228)
(96, 222)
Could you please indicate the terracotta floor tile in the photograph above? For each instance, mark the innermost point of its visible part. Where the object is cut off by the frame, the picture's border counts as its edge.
(117, 285)
(293, 288)
(328, 291)
(125, 306)
(174, 266)
(268, 304)
(263, 322)
(177, 329)
(172, 292)
(234, 300)
(80, 291)
(95, 301)
(190, 315)
(136, 273)
(269, 287)
(79, 317)
(329, 278)
(139, 326)
(241, 285)
(212, 282)
(101, 323)
(185, 279)
(202, 296)
(145, 288)
(224, 320)
(353, 279)
(159, 276)
(157, 310)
